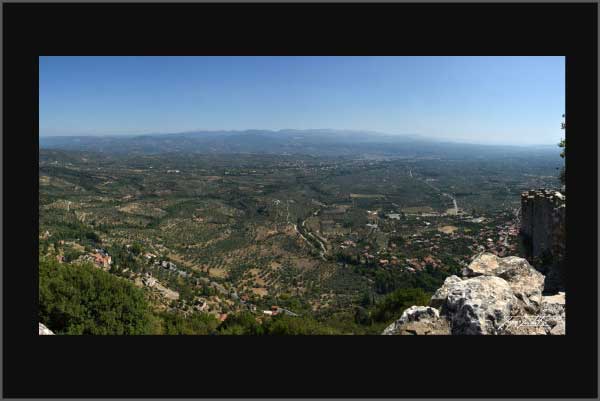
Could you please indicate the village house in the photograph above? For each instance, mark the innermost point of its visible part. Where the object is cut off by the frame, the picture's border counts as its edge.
(101, 259)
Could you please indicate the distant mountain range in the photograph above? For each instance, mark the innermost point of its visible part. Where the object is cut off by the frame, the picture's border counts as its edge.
(322, 142)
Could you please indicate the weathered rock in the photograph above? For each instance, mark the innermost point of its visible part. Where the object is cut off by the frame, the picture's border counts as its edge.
(549, 320)
(525, 281)
(543, 233)
(483, 264)
(554, 313)
(438, 327)
(439, 297)
(523, 326)
(499, 296)
(419, 320)
(479, 305)
(415, 313)
(44, 331)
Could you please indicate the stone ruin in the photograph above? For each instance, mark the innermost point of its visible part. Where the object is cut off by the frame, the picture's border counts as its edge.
(543, 234)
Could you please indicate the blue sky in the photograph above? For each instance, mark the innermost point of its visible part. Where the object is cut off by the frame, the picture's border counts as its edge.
(506, 100)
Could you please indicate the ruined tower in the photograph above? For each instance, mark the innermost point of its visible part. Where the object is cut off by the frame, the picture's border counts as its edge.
(543, 233)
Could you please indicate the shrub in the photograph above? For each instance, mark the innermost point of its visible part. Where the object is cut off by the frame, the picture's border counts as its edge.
(288, 325)
(395, 303)
(241, 323)
(194, 324)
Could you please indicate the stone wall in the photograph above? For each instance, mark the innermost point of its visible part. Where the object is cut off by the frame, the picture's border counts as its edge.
(543, 233)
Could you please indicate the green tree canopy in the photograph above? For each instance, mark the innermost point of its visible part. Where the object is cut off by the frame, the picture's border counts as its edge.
(80, 299)
(395, 303)
(193, 324)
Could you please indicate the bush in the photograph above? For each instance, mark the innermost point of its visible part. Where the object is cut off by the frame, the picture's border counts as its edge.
(288, 325)
(137, 249)
(80, 299)
(72, 254)
(194, 324)
(92, 236)
(394, 304)
(241, 323)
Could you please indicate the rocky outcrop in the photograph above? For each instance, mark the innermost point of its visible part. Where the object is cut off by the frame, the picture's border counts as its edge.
(44, 331)
(479, 305)
(496, 296)
(525, 282)
(543, 233)
(419, 320)
(439, 298)
(553, 308)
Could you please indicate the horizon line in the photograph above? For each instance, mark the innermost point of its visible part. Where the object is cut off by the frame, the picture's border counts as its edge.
(338, 130)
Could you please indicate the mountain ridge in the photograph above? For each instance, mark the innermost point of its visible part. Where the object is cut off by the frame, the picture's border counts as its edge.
(321, 142)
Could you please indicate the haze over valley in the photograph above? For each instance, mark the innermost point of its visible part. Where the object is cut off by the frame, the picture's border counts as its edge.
(258, 231)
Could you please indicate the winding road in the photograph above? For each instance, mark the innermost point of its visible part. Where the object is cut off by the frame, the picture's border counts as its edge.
(454, 202)
(322, 250)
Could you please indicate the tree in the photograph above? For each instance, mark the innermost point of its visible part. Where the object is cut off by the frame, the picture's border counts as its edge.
(241, 323)
(80, 299)
(395, 303)
(362, 316)
(175, 323)
(365, 299)
(288, 325)
(136, 249)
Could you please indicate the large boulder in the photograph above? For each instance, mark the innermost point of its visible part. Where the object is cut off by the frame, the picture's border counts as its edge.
(525, 281)
(44, 331)
(479, 305)
(419, 320)
(482, 264)
(497, 296)
(438, 299)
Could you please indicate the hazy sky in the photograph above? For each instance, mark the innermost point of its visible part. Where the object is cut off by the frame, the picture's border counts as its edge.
(512, 100)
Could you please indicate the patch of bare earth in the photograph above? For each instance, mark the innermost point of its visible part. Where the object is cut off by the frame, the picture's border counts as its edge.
(144, 210)
(218, 272)
(260, 291)
(263, 233)
(447, 229)
(304, 263)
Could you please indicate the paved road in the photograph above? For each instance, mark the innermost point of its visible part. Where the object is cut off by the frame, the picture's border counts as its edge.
(322, 250)
(454, 202)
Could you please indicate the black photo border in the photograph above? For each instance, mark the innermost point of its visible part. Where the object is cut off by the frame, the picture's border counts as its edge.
(336, 366)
